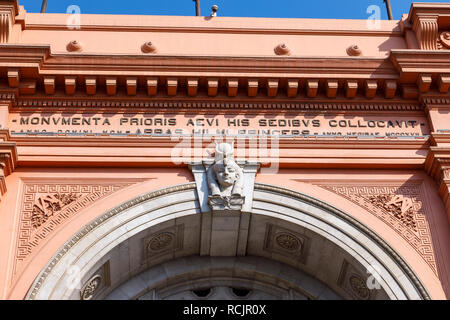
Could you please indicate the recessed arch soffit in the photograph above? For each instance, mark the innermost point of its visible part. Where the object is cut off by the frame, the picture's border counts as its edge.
(381, 247)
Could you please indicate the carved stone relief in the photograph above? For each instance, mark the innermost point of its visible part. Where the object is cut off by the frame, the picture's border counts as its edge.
(225, 184)
(355, 283)
(225, 180)
(164, 241)
(47, 206)
(96, 283)
(286, 242)
(400, 207)
(444, 40)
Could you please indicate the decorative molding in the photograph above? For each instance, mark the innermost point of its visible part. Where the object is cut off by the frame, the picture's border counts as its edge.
(8, 159)
(403, 212)
(46, 206)
(145, 104)
(436, 101)
(99, 221)
(426, 28)
(437, 165)
(8, 13)
(34, 290)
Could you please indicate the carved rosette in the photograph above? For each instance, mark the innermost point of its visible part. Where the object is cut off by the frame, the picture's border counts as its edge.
(288, 241)
(400, 207)
(161, 241)
(359, 287)
(91, 287)
(164, 241)
(352, 281)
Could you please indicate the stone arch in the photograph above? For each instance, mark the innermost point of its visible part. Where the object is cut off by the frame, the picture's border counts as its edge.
(281, 220)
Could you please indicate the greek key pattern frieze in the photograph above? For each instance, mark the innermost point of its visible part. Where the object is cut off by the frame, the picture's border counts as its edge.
(400, 207)
(47, 206)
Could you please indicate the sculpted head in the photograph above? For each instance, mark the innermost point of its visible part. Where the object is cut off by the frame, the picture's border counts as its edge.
(226, 172)
(225, 177)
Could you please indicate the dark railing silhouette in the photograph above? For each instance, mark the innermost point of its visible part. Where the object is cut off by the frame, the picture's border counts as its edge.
(44, 6)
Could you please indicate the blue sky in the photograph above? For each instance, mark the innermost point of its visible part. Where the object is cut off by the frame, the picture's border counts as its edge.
(325, 9)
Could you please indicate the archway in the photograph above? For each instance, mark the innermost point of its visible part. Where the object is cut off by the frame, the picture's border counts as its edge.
(296, 247)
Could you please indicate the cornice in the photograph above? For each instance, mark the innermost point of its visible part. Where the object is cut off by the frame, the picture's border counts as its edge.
(218, 25)
(166, 105)
(437, 138)
(131, 140)
(33, 70)
(140, 64)
(421, 61)
(292, 152)
(306, 31)
(417, 9)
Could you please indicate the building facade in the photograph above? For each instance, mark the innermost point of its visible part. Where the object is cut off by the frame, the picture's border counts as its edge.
(155, 157)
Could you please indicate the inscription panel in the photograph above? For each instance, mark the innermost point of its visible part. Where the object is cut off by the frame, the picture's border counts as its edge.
(182, 124)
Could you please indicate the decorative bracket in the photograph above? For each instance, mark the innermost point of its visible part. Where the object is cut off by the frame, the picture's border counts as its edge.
(8, 159)
(437, 165)
(426, 28)
(426, 20)
(8, 11)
